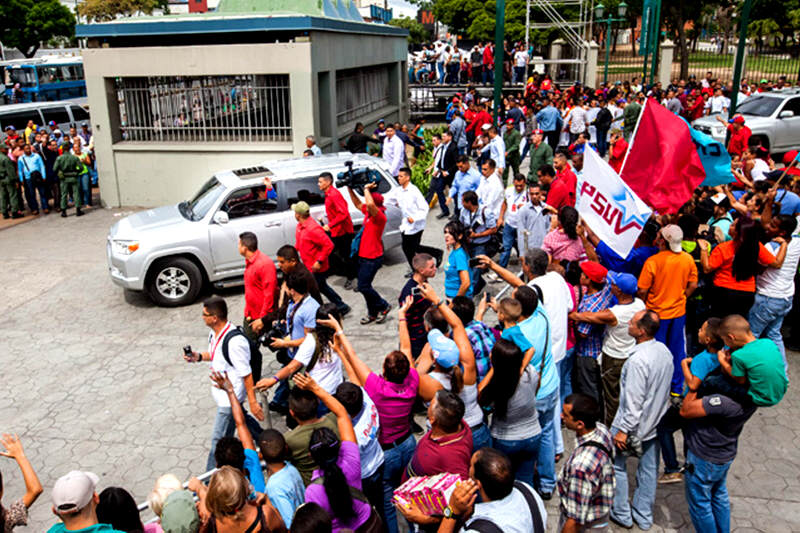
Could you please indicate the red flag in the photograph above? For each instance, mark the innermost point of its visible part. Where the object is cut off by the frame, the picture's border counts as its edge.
(662, 166)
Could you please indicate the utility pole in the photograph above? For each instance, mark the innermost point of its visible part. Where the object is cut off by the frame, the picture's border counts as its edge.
(527, 34)
(499, 48)
(737, 64)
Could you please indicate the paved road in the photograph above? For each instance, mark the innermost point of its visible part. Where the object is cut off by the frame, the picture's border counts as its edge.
(93, 379)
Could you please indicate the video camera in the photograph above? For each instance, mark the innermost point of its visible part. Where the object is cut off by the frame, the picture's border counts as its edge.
(268, 334)
(356, 179)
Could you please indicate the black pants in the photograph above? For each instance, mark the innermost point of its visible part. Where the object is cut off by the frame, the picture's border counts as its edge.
(327, 291)
(411, 247)
(341, 260)
(552, 138)
(437, 186)
(726, 302)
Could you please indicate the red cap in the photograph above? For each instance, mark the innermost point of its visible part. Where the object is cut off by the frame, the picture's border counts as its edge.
(594, 271)
(510, 121)
(788, 157)
(538, 132)
(455, 99)
(738, 119)
(378, 199)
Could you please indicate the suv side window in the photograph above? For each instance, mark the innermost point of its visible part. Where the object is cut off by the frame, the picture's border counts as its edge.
(792, 105)
(303, 190)
(251, 201)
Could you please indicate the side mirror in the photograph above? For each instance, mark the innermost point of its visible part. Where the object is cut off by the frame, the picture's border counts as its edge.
(221, 217)
(786, 114)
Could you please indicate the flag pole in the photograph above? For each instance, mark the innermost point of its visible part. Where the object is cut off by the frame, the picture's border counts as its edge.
(785, 170)
(633, 137)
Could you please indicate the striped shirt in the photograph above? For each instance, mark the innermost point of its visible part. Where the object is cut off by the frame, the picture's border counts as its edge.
(586, 484)
(482, 339)
(591, 341)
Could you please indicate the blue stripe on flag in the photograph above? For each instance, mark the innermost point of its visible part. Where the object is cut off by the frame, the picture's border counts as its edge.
(714, 157)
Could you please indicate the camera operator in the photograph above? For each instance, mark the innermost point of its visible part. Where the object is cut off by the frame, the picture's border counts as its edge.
(481, 224)
(260, 285)
(340, 227)
(236, 365)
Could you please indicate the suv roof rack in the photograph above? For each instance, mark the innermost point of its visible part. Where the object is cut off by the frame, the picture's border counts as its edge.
(250, 171)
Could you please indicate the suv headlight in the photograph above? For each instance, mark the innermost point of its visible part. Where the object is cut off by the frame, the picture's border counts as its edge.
(124, 247)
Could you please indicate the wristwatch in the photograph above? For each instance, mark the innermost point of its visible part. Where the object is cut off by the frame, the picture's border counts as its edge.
(448, 513)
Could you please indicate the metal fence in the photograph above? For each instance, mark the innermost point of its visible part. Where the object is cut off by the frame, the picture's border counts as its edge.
(360, 92)
(252, 108)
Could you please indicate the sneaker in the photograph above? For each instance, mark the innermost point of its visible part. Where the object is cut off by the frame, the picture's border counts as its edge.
(63, 213)
(672, 477)
(494, 278)
(442, 215)
(546, 496)
(383, 315)
(350, 284)
(368, 320)
(345, 310)
(620, 524)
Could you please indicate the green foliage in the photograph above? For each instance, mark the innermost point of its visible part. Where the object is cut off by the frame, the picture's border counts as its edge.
(24, 24)
(417, 34)
(106, 10)
(419, 177)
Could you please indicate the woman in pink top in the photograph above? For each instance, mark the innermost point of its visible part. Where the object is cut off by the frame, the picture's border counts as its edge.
(564, 243)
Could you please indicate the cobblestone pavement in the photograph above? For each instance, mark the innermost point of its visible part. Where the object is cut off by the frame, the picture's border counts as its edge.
(93, 379)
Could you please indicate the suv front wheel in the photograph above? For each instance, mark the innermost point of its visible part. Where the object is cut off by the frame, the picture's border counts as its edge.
(174, 281)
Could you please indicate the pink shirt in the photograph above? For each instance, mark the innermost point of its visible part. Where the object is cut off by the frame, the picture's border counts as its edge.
(394, 403)
(557, 244)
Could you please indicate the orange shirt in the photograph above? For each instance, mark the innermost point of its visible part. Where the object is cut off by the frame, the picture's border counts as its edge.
(721, 260)
(665, 277)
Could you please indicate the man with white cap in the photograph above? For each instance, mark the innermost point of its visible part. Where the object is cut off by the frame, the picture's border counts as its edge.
(75, 503)
(667, 280)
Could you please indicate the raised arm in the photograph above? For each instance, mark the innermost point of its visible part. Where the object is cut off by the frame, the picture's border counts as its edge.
(346, 433)
(508, 276)
(372, 209)
(355, 199)
(402, 327)
(222, 381)
(13, 449)
(360, 369)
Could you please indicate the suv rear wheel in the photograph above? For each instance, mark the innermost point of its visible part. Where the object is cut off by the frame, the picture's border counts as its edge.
(174, 282)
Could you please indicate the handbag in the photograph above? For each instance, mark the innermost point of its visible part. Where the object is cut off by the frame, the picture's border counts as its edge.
(35, 177)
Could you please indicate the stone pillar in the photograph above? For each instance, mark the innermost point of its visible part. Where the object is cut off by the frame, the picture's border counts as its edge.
(555, 53)
(590, 72)
(665, 63)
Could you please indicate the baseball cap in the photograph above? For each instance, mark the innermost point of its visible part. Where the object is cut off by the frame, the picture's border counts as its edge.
(455, 99)
(378, 199)
(52, 123)
(763, 80)
(625, 282)
(444, 350)
(179, 514)
(84, 123)
(73, 491)
(738, 119)
(301, 208)
(12, 128)
(673, 235)
(381, 120)
(538, 132)
(594, 271)
(486, 126)
(510, 121)
(718, 198)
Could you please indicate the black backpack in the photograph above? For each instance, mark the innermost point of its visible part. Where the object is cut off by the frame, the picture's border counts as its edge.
(255, 354)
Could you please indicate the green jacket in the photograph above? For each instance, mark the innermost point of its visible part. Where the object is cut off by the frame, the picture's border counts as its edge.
(541, 155)
(8, 170)
(512, 138)
(630, 115)
(68, 166)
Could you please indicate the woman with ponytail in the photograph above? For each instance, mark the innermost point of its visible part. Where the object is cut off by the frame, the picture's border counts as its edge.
(336, 484)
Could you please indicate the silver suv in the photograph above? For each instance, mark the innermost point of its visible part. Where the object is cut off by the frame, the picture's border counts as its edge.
(172, 252)
(773, 117)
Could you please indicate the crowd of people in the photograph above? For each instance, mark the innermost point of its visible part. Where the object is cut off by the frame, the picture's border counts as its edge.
(683, 334)
(57, 166)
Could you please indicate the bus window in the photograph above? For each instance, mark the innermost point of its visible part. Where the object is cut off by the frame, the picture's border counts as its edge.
(57, 114)
(26, 77)
(78, 113)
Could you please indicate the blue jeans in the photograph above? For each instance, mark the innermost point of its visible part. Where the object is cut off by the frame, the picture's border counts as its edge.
(707, 494)
(30, 195)
(224, 426)
(488, 74)
(509, 243)
(671, 332)
(322, 282)
(641, 508)
(526, 146)
(481, 438)
(766, 318)
(440, 70)
(546, 463)
(395, 461)
(367, 268)
(85, 186)
(475, 273)
(523, 454)
(602, 143)
(564, 368)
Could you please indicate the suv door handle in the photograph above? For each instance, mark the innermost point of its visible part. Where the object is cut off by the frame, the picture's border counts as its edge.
(272, 224)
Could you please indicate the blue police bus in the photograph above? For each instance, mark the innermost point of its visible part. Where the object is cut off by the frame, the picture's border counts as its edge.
(44, 79)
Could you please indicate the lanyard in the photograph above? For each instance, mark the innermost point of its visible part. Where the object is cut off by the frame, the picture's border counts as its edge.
(219, 338)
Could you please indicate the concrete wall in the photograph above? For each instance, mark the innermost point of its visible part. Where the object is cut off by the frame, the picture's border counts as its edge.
(152, 174)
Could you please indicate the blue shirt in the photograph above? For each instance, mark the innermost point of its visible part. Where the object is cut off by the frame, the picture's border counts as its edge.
(305, 317)
(515, 335)
(548, 118)
(29, 163)
(253, 465)
(535, 328)
(702, 365)
(286, 492)
(632, 264)
(723, 223)
(463, 182)
(790, 202)
(457, 261)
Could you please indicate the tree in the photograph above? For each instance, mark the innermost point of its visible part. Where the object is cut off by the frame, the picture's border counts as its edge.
(676, 15)
(105, 10)
(417, 34)
(25, 24)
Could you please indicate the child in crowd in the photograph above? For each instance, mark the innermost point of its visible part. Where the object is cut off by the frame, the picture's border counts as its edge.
(284, 486)
(509, 312)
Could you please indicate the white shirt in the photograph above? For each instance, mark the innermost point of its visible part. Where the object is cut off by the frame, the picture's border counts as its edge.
(490, 194)
(412, 205)
(393, 151)
(719, 103)
(514, 202)
(558, 304)
(577, 119)
(779, 282)
(366, 426)
(759, 168)
(511, 514)
(618, 343)
(497, 152)
(520, 58)
(316, 150)
(438, 153)
(327, 373)
(239, 354)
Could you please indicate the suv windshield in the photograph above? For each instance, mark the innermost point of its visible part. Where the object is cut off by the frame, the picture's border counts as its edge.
(759, 106)
(206, 197)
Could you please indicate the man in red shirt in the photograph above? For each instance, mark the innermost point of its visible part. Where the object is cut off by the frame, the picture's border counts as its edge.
(340, 228)
(260, 285)
(618, 147)
(740, 135)
(562, 189)
(481, 117)
(315, 248)
(370, 252)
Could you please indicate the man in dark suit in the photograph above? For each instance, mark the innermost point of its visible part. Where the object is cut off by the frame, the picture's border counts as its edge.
(444, 171)
(448, 161)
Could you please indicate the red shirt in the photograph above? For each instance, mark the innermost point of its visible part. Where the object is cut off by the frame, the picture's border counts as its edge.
(338, 213)
(739, 140)
(617, 155)
(447, 454)
(371, 245)
(313, 244)
(488, 57)
(260, 282)
(559, 194)
(481, 118)
(697, 110)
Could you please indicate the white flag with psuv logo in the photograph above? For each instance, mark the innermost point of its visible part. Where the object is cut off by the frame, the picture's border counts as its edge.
(608, 206)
